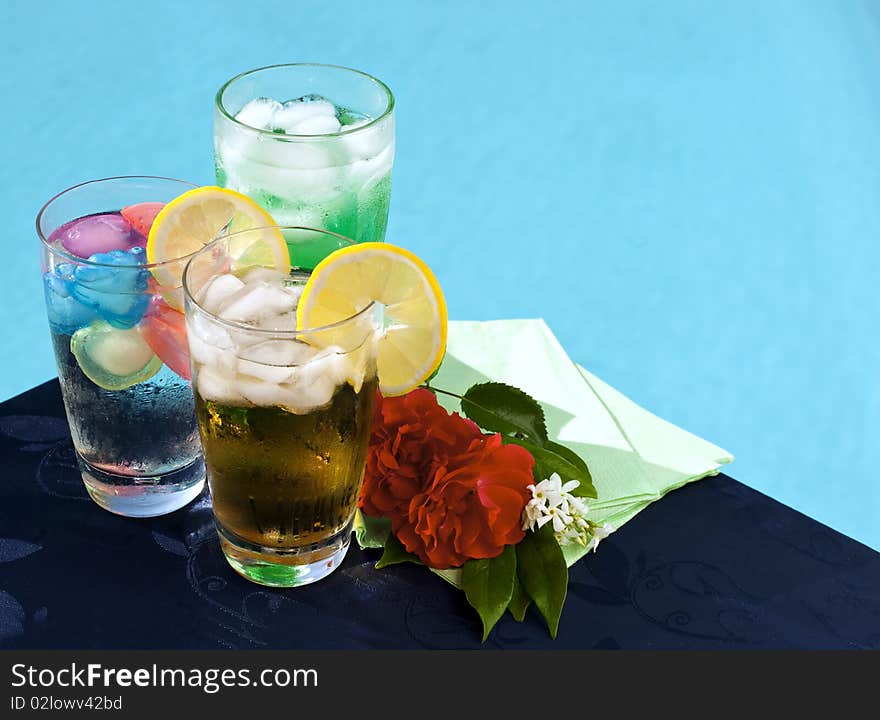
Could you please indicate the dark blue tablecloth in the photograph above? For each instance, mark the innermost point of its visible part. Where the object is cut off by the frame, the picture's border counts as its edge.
(713, 565)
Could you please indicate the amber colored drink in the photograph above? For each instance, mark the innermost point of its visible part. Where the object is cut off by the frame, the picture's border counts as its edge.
(285, 481)
(284, 412)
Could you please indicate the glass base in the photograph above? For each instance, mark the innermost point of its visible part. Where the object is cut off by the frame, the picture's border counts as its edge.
(143, 496)
(285, 568)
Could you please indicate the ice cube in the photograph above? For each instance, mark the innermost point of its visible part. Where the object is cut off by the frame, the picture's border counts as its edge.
(265, 274)
(294, 112)
(255, 301)
(356, 364)
(164, 329)
(363, 140)
(327, 364)
(317, 125)
(365, 174)
(295, 290)
(217, 290)
(285, 353)
(267, 373)
(265, 394)
(259, 113)
(311, 382)
(86, 236)
(272, 360)
(115, 287)
(278, 165)
(111, 358)
(210, 344)
(217, 386)
(141, 216)
(285, 322)
(66, 313)
(305, 397)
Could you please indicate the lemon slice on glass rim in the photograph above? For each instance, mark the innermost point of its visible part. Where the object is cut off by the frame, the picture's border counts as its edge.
(413, 342)
(194, 219)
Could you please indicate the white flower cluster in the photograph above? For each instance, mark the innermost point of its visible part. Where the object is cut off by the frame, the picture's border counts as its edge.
(553, 502)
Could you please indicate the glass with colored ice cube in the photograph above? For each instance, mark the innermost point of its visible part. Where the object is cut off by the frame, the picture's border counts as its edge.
(313, 144)
(120, 344)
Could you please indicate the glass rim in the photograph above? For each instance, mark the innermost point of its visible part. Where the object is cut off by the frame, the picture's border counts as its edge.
(235, 325)
(76, 259)
(389, 106)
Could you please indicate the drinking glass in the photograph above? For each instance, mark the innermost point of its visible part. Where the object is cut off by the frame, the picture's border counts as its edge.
(120, 345)
(312, 144)
(284, 412)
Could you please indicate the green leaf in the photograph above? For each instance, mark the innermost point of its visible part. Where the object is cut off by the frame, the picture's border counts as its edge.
(371, 532)
(488, 586)
(519, 601)
(548, 460)
(568, 454)
(395, 553)
(505, 409)
(541, 570)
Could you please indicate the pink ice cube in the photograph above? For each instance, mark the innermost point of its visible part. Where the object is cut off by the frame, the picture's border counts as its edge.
(94, 234)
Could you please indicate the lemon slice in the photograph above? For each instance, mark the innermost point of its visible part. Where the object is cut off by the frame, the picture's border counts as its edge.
(348, 280)
(192, 220)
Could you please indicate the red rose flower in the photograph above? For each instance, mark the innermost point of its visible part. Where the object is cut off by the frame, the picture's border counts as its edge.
(471, 508)
(412, 435)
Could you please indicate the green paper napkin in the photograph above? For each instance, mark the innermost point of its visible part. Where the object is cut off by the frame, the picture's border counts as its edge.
(634, 457)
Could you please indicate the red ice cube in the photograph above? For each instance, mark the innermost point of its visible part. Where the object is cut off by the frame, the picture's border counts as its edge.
(141, 216)
(164, 329)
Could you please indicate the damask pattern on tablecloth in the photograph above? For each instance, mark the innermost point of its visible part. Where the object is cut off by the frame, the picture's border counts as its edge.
(713, 565)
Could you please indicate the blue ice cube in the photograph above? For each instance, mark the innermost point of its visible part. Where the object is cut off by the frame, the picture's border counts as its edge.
(66, 313)
(115, 288)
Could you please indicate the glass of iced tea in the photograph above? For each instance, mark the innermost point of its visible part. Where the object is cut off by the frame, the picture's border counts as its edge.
(284, 413)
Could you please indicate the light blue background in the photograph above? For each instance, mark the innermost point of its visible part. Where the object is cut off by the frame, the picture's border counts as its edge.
(687, 191)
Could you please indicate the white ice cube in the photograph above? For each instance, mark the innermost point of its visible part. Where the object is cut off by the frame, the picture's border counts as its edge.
(244, 338)
(311, 385)
(265, 274)
(305, 397)
(209, 343)
(262, 393)
(362, 143)
(356, 364)
(279, 352)
(273, 360)
(239, 148)
(267, 373)
(294, 112)
(270, 276)
(255, 301)
(259, 113)
(317, 125)
(217, 290)
(283, 322)
(303, 172)
(295, 290)
(208, 330)
(329, 364)
(217, 386)
(365, 174)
